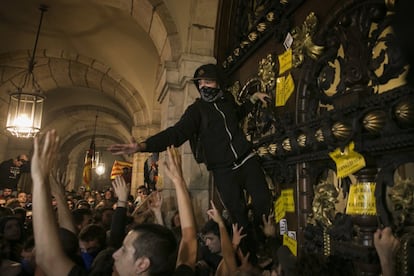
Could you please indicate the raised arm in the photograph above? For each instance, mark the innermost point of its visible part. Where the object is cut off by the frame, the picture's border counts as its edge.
(187, 252)
(119, 218)
(227, 250)
(48, 247)
(155, 204)
(57, 186)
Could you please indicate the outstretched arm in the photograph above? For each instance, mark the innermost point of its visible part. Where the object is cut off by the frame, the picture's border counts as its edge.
(187, 252)
(48, 247)
(129, 148)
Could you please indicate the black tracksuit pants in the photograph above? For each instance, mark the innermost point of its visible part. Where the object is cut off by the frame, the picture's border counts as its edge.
(231, 185)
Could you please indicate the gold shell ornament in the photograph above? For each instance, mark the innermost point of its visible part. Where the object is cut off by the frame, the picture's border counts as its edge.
(301, 140)
(286, 145)
(261, 151)
(319, 136)
(341, 131)
(374, 121)
(272, 148)
(404, 112)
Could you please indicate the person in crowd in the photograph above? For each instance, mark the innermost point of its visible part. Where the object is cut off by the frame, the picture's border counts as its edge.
(142, 193)
(81, 218)
(28, 261)
(92, 240)
(22, 197)
(103, 217)
(220, 243)
(10, 171)
(228, 154)
(146, 250)
(210, 249)
(7, 266)
(11, 229)
(7, 193)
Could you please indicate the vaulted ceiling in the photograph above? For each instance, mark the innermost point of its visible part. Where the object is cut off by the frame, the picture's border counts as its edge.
(94, 58)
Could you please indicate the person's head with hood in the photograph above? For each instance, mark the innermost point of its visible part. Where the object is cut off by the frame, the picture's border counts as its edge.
(209, 81)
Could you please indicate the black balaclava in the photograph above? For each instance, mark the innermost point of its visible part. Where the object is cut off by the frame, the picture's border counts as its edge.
(209, 72)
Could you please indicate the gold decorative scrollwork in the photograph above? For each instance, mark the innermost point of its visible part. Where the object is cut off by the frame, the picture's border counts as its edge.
(267, 72)
(302, 41)
(402, 198)
(323, 205)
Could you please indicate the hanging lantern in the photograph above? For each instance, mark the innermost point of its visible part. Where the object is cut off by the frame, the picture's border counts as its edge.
(24, 116)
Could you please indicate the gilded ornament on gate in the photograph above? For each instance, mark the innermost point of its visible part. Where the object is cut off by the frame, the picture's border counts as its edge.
(323, 205)
(286, 145)
(402, 199)
(301, 140)
(319, 135)
(341, 131)
(374, 121)
(302, 41)
(262, 151)
(261, 27)
(252, 36)
(404, 112)
(272, 148)
(267, 72)
(270, 16)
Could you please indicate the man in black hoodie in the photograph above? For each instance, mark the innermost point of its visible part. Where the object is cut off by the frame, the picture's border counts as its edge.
(227, 153)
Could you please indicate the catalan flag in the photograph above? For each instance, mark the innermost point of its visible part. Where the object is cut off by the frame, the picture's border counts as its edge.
(87, 174)
(117, 168)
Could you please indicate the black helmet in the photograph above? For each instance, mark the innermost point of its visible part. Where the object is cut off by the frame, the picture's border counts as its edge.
(208, 72)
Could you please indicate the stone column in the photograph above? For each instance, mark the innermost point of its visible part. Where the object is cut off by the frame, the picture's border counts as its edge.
(71, 169)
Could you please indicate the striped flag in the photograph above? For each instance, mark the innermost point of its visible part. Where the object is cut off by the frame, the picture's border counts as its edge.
(87, 174)
(117, 168)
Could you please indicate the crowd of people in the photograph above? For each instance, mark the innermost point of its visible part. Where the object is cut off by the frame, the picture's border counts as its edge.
(127, 237)
(54, 232)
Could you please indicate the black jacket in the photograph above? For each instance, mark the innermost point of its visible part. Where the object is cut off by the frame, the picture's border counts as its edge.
(223, 140)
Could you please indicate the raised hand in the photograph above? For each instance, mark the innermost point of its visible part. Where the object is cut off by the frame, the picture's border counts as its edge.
(155, 201)
(214, 214)
(245, 265)
(58, 182)
(173, 166)
(121, 188)
(129, 148)
(237, 235)
(269, 225)
(44, 156)
(263, 97)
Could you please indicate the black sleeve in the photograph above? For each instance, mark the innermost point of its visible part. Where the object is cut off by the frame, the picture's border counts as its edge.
(242, 110)
(176, 135)
(118, 225)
